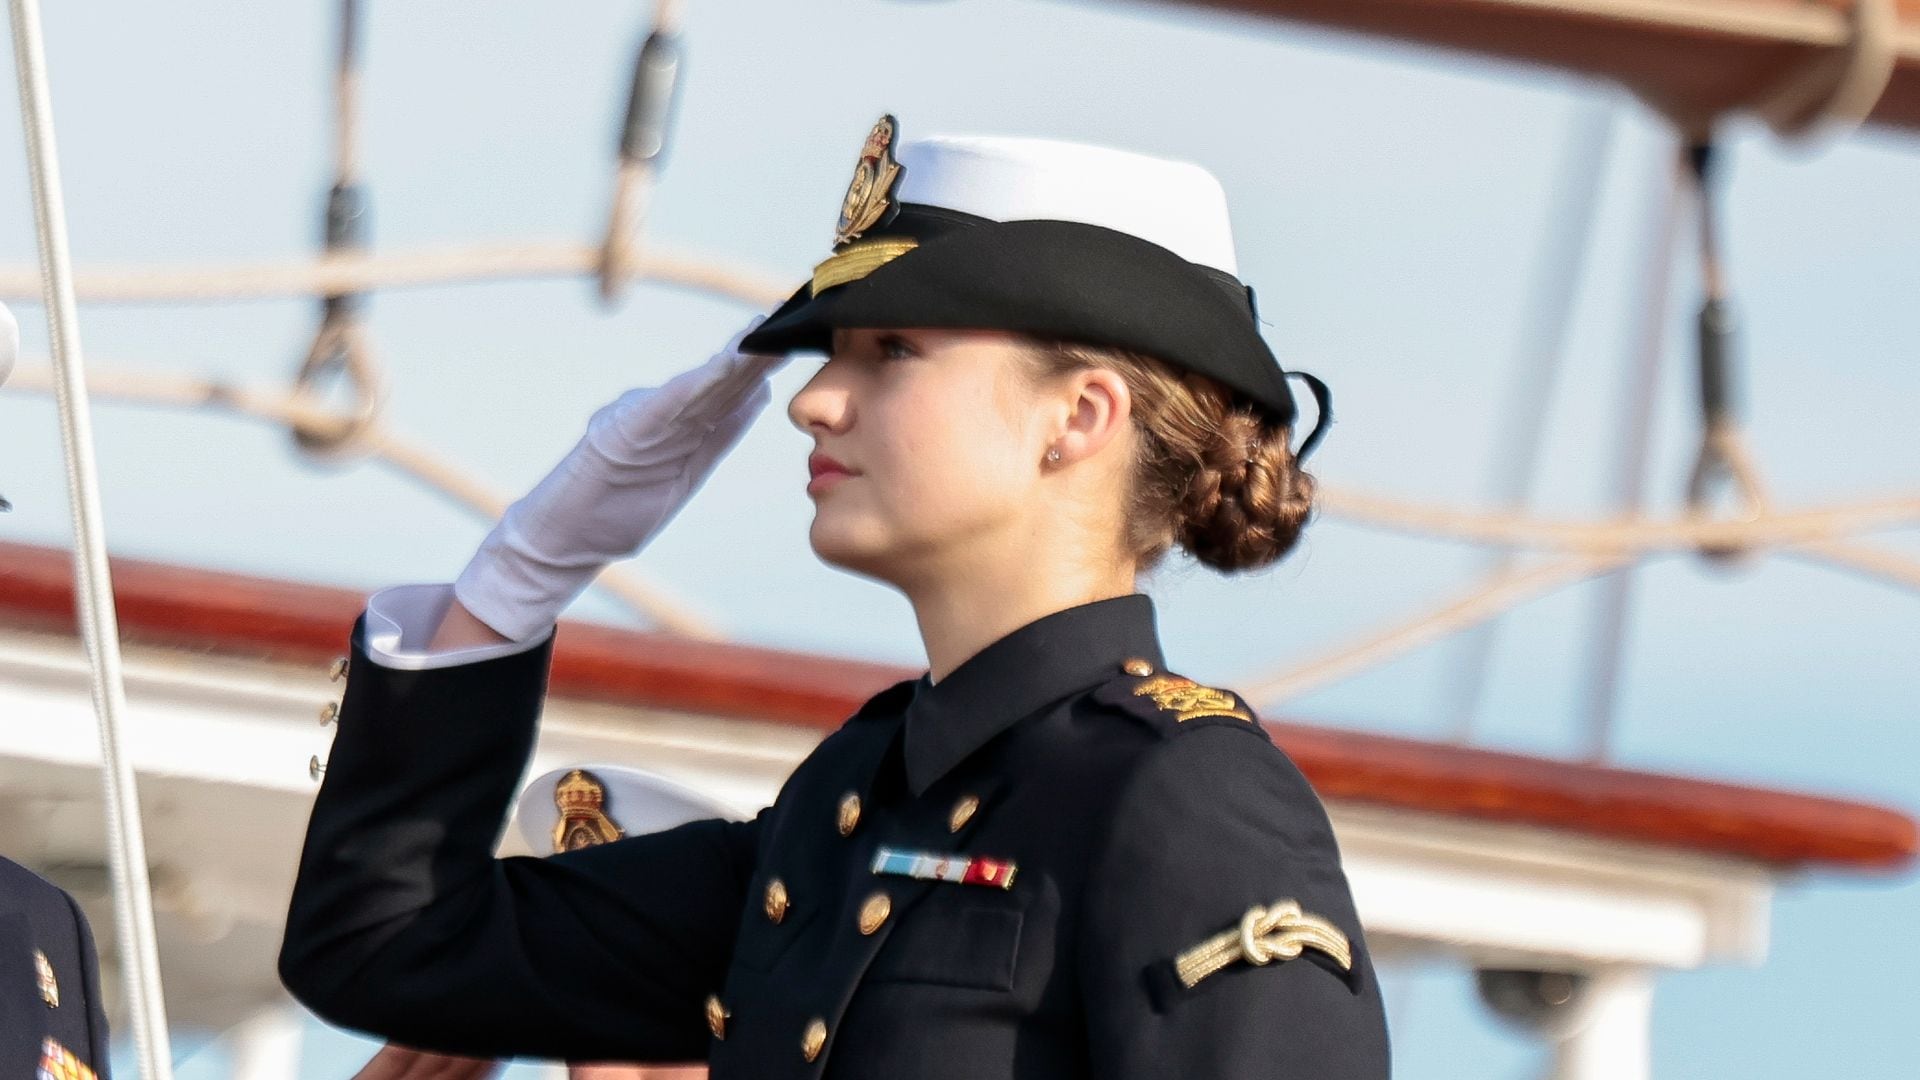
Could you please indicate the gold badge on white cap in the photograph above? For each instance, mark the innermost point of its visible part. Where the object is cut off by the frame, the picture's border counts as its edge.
(870, 194)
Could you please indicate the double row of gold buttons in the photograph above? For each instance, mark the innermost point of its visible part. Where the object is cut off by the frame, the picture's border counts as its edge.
(873, 915)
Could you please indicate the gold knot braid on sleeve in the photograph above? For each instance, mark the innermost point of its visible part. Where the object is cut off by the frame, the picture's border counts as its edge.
(1278, 932)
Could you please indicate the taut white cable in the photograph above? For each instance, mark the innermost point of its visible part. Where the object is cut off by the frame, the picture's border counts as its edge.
(133, 898)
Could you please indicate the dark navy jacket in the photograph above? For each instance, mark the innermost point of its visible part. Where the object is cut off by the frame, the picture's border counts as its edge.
(58, 1000)
(1138, 825)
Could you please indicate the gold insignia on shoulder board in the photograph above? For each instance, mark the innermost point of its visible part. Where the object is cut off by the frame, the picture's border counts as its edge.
(1189, 700)
(43, 970)
(1280, 931)
(581, 799)
(870, 194)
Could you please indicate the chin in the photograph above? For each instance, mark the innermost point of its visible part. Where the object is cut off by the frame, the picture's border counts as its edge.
(854, 547)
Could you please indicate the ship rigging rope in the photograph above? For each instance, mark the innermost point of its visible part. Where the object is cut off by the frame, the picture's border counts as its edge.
(93, 585)
(380, 443)
(368, 272)
(1583, 548)
(341, 345)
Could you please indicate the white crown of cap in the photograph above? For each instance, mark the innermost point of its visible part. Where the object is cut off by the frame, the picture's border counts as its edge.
(1175, 204)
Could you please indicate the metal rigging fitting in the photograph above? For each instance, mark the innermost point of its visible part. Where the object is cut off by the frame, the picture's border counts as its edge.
(1722, 462)
(643, 142)
(339, 346)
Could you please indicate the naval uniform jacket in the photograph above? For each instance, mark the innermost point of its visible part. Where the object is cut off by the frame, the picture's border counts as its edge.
(777, 948)
(51, 1010)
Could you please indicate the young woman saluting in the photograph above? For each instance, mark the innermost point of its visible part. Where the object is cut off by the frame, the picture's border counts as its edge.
(1048, 856)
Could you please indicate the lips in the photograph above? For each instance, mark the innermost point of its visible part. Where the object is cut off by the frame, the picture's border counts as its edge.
(820, 465)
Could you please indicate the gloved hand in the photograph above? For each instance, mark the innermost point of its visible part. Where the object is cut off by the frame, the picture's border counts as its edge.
(642, 458)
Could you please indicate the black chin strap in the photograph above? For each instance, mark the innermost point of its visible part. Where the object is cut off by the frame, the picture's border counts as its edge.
(1323, 398)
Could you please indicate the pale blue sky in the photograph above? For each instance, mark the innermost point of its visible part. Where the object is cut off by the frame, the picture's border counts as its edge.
(1389, 205)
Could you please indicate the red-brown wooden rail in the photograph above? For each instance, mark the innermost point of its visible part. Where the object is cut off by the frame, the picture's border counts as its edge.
(235, 615)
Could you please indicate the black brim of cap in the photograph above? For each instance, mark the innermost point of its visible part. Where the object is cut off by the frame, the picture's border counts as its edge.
(1053, 279)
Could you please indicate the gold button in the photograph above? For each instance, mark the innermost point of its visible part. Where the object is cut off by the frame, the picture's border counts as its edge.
(776, 900)
(874, 912)
(329, 713)
(962, 812)
(717, 1016)
(814, 1039)
(1137, 666)
(337, 670)
(849, 813)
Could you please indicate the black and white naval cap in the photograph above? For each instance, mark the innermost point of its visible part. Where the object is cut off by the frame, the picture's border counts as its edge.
(1056, 239)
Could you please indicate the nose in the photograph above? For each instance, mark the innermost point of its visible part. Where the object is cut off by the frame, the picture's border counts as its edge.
(823, 404)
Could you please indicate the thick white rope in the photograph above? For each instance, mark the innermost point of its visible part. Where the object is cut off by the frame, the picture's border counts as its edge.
(1491, 597)
(99, 628)
(1585, 548)
(346, 273)
(1622, 534)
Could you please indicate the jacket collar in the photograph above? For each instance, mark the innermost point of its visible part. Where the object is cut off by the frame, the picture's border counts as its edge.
(1047, 660)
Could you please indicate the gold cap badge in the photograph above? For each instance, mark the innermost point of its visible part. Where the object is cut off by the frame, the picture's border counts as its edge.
(581, 799)
(869, 199)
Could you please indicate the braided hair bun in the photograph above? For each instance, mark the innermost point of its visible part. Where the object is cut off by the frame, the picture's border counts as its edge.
(1247, 502)
(1213, 474)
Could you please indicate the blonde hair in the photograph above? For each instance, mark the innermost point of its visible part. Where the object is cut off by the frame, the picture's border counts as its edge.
(1213, 474)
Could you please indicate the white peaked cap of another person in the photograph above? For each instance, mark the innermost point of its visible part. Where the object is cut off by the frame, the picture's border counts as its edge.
(638, 801)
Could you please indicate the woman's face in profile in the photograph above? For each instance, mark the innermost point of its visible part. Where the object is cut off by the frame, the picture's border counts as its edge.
(943, 437)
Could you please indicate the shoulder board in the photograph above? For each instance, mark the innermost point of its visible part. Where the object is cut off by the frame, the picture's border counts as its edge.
(1171, 703)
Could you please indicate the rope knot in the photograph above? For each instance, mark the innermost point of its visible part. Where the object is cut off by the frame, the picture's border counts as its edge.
(1279, 931)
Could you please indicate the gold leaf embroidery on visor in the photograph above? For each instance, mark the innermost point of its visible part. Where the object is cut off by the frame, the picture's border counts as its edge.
(858, 261)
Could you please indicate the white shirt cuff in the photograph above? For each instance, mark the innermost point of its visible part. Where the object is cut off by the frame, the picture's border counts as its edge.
(401, 621)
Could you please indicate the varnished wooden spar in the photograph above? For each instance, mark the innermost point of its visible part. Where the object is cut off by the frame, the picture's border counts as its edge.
(235, 615)
(1693, 59)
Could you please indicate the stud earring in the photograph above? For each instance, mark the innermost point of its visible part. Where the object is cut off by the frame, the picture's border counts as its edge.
(1053, 454)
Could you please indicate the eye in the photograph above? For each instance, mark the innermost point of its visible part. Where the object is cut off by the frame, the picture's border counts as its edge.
(895, 347)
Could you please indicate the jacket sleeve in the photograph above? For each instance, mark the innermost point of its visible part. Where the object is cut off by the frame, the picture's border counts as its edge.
(98, 1043)
(1214, 821)
(404, 925)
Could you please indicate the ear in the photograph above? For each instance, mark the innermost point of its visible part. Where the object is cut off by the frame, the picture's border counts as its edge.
(1099, 409)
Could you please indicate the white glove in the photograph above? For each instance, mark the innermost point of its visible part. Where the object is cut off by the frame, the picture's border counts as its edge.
(642, 458)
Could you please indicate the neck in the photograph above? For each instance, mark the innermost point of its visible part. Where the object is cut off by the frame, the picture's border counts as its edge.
(964, 611)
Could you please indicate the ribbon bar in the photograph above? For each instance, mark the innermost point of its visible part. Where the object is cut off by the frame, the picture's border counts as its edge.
(932, 866)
